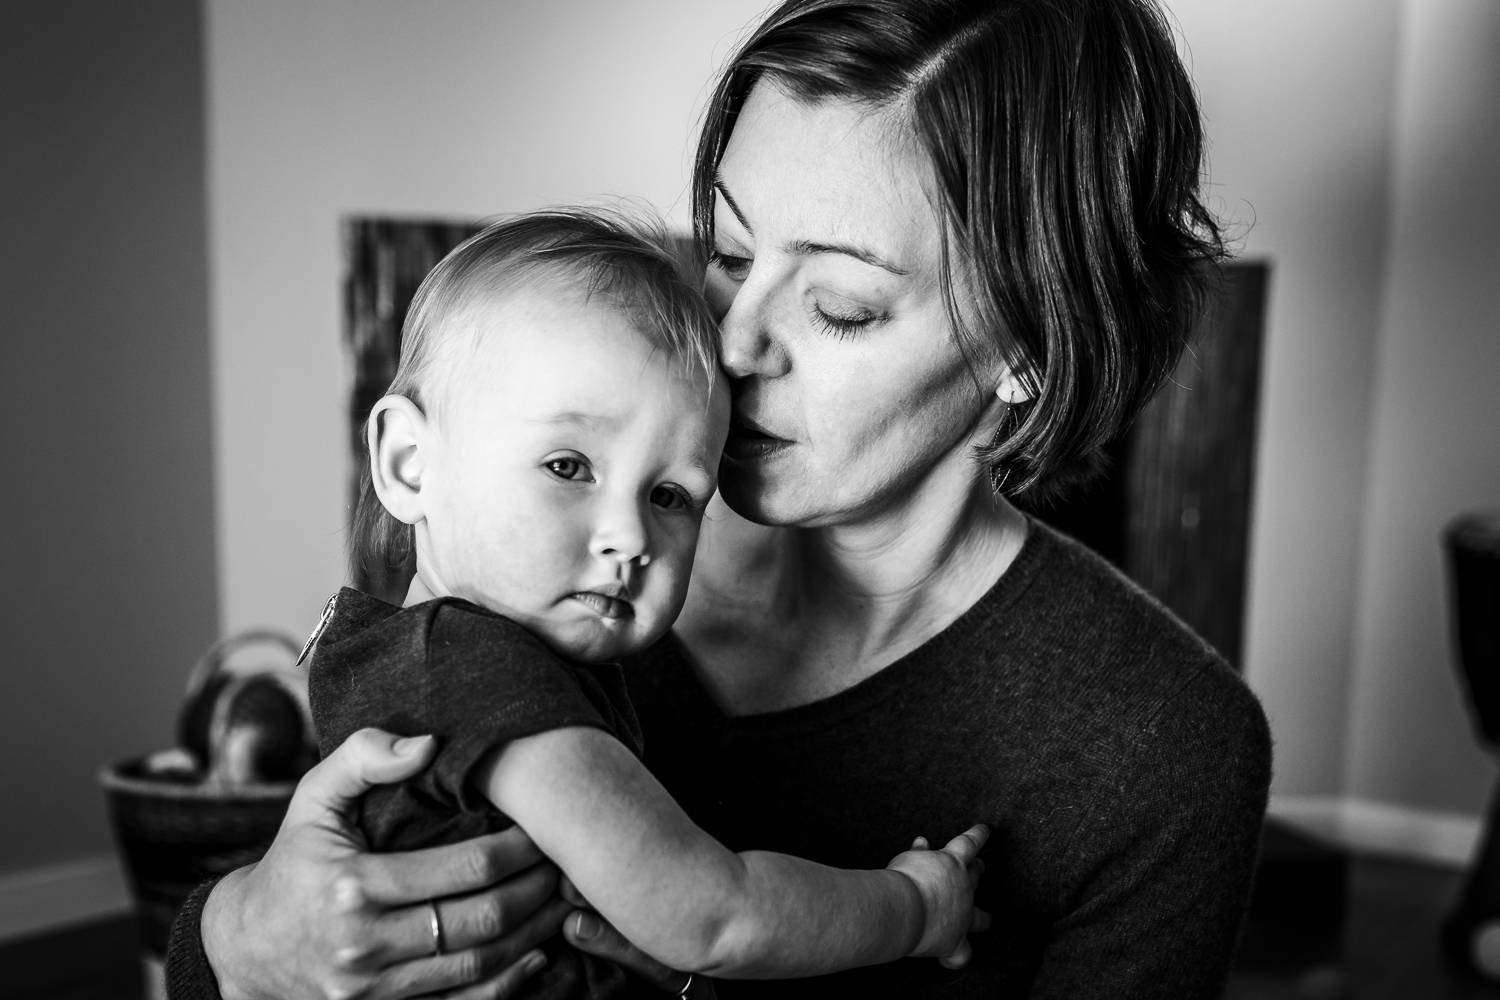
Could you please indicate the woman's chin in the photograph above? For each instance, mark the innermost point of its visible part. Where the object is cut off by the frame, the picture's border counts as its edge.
(763, 493)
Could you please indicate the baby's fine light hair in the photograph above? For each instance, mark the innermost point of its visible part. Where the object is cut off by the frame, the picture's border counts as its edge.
(623, 260)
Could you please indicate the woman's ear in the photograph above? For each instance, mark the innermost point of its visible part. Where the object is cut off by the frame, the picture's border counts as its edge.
(397, 436)
(1010, 388)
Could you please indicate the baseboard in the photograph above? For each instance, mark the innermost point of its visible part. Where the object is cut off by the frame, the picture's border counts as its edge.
(1443, 838)
(46, 898)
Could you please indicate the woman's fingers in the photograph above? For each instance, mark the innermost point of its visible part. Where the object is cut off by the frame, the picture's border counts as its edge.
(507, 984)
(967, 845)
(592, 933)
(483, 917)
(567, 890)
(467, 921)
(472, 967)
(449, 870)
(369, 757)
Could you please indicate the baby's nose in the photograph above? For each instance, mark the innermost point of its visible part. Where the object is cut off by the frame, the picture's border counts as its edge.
(622, 535)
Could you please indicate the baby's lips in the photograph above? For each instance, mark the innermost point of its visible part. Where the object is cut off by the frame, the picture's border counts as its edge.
(603, 605)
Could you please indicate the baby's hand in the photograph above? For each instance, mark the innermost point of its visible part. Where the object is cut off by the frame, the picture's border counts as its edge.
(946, 880)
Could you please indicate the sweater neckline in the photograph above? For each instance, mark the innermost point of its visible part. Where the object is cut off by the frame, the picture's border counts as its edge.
(891, 680)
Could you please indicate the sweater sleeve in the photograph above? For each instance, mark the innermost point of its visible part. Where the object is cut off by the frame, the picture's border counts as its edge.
(1164, 859)
(188, 974)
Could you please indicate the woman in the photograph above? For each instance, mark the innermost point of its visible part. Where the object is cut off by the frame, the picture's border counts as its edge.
(956, 244)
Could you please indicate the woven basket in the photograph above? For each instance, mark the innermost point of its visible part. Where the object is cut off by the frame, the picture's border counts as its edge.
(174, 836)
(174, 832)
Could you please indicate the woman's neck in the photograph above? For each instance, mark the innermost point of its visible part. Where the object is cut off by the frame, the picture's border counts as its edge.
(780, 617)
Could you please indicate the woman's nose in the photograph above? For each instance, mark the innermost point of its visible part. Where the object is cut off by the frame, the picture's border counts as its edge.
(747, 340)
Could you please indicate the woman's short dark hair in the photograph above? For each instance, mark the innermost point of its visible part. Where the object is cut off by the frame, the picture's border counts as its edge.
(1066, 146)
(623, 257)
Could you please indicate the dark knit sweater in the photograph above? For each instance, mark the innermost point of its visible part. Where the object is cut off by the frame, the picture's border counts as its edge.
(1121, 764)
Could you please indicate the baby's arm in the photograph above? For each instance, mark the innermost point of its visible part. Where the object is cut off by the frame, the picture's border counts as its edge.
(688, 901)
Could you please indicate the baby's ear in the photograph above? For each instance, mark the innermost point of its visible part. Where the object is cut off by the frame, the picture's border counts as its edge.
(396, 435)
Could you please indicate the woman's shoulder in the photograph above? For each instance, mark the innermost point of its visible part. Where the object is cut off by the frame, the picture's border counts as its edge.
(1069, 638)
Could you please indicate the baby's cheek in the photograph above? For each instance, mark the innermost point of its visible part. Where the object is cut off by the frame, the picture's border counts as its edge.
(669, 588)
(530, 557)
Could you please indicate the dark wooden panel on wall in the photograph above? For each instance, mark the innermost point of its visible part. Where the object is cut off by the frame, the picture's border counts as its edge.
(385, 261)
(1174, 511)
(1190, 469)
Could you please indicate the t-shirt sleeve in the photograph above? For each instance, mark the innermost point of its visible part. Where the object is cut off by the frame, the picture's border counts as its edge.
(472, 679)
(488, 682)
(1170, 854)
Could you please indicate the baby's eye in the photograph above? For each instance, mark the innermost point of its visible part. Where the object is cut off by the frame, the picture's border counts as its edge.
(568, 468)
(669, 498)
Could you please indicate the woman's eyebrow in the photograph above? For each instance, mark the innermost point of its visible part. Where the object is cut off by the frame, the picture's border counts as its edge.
(806, 247)
(849, 249)
(723, 190)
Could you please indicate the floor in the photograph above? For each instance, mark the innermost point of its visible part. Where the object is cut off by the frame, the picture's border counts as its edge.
(1389, 951)
(94, 962)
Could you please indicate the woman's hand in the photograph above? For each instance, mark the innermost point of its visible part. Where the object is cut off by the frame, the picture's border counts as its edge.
(587, 931)
(319, 918)
(946, 880)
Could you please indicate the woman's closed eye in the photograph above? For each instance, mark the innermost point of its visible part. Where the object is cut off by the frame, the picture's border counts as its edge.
(570, 467)
(734, 266)
(844, 322)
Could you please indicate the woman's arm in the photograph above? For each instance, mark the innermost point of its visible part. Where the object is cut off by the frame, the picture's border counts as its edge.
(689, 902)
(1170, 855)
(318, 917)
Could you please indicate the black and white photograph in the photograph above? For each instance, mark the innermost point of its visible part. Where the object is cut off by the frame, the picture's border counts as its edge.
(736, 499)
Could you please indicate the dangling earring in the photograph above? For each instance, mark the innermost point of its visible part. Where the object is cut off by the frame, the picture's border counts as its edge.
(998, 476)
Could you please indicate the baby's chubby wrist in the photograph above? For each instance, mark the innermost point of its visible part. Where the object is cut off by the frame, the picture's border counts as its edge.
(920, 899)
(944, 881)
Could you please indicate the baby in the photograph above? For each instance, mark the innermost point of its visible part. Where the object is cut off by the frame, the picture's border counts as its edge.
(548, 447)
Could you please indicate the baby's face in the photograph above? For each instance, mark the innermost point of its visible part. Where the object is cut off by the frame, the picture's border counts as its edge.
(572, 464)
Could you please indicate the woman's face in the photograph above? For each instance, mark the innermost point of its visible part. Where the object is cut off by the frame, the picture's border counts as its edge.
(850, 387)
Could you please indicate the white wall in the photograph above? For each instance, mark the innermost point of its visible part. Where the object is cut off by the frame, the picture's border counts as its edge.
(450, 108)
(1297, 99)
(1435, 430)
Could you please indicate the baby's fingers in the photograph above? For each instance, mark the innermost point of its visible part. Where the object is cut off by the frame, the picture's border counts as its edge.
(967, 845)
(979, 921)
(959, 957)
(975, 869)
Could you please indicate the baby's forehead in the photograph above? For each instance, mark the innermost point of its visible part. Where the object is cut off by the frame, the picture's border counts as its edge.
(559, 350)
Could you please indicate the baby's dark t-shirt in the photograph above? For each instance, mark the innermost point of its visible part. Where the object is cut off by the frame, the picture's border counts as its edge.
(475, 680)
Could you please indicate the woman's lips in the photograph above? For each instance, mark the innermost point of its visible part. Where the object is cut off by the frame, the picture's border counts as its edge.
(747, 441)
(604, 605)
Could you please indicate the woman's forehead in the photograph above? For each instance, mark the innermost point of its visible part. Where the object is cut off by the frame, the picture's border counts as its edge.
(827, 173)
